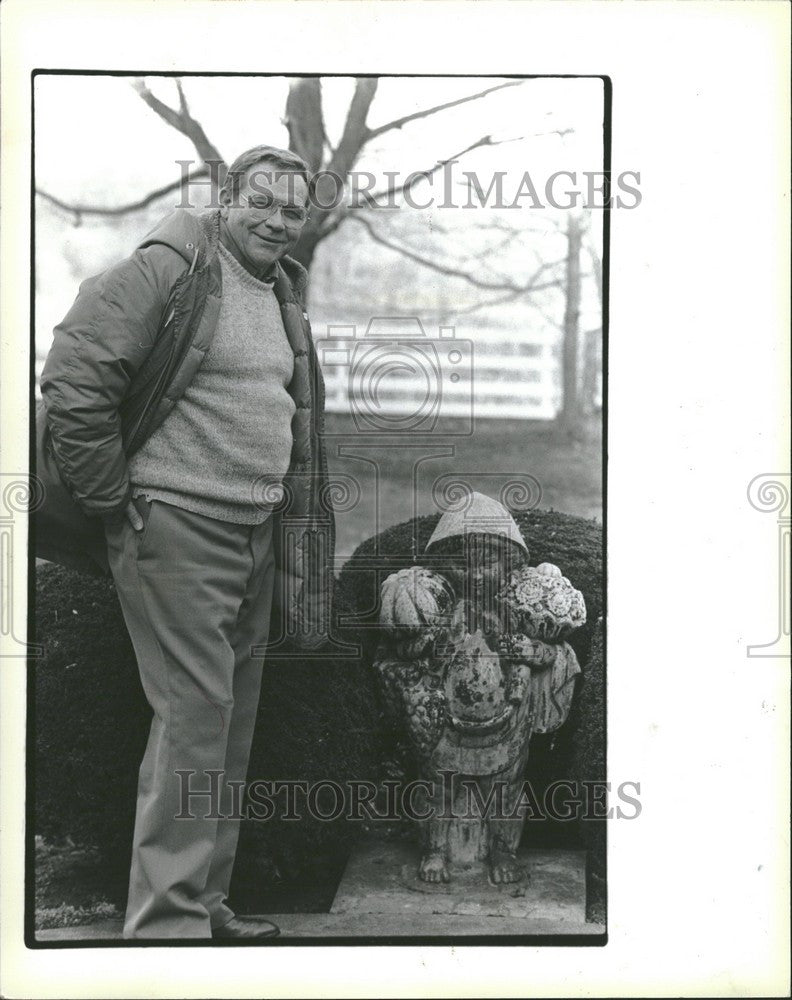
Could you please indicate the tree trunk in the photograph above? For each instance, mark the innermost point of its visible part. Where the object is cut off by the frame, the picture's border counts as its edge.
(310, 239)
(305, 123)
(571, 414)
(592, 365)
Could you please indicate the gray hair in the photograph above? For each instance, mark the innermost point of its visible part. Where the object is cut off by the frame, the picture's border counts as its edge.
(283, 158)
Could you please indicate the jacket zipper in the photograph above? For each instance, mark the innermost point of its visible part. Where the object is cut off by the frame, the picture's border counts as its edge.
(155, 393)
(314, 434)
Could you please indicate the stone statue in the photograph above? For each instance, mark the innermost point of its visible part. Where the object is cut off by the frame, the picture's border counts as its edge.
(473, 662)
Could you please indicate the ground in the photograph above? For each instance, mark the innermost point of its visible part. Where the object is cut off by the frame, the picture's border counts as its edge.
(71, 886)
(74, 888)
(72, 891)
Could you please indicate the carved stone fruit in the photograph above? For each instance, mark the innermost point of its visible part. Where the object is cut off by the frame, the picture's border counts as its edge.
(416, 604)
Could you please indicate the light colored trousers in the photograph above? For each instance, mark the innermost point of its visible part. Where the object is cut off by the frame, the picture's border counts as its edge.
(196, 594)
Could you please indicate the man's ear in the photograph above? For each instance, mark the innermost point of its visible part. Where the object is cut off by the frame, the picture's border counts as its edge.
(225, 201)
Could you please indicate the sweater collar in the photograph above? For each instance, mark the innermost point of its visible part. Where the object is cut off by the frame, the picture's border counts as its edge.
(289, 274)
(266, 281)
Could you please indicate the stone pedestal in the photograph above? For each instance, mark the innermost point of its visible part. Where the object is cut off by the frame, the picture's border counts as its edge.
(381, 878)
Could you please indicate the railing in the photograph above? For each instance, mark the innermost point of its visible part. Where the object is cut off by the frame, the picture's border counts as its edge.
(391, 369)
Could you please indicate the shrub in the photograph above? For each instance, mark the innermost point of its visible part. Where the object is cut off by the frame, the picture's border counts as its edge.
(317, 720)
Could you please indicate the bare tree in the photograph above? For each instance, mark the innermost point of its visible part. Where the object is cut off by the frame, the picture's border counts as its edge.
(304, 120)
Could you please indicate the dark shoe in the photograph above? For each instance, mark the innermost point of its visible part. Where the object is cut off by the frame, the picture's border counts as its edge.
(246, 929)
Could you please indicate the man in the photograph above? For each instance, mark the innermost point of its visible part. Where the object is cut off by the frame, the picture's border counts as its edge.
(184, 399)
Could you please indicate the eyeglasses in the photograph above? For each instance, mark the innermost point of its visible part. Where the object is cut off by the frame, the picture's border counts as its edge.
(264, 208)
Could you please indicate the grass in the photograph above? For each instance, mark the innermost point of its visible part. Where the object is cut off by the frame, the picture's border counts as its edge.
(71, 886)
(569, 472)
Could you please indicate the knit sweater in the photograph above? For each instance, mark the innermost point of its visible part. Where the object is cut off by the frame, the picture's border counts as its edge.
(227, 442)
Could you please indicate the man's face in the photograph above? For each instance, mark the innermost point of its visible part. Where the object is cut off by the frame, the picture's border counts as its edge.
(265, 217)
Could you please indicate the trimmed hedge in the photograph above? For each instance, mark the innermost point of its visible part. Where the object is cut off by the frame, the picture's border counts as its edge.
(318, 719)
(90, 717)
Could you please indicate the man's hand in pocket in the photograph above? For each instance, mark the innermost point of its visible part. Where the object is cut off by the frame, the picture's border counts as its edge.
(133, 516)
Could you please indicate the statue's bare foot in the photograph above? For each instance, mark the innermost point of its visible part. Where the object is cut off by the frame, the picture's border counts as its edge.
(433, 868)
(504, 868)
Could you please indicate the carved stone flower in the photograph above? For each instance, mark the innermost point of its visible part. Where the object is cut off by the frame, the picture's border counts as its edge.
(541, 603)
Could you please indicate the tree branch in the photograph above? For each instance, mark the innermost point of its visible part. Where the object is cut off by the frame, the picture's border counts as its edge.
(183, 122)
(454, 272)
(500, 226)
(418, 175)
(399, 122)
(504, 243)
(508, 297)
(596, 265)
(498, 300)
(134, 206)
(355, 132)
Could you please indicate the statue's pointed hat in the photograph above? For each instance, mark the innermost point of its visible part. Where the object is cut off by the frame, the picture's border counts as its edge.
(480, 515)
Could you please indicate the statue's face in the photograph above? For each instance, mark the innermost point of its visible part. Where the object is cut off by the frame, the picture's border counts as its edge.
(491, 558)
(477, 566)
(487, 560)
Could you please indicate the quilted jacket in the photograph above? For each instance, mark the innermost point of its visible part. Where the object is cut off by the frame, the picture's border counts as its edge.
(123, 356)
